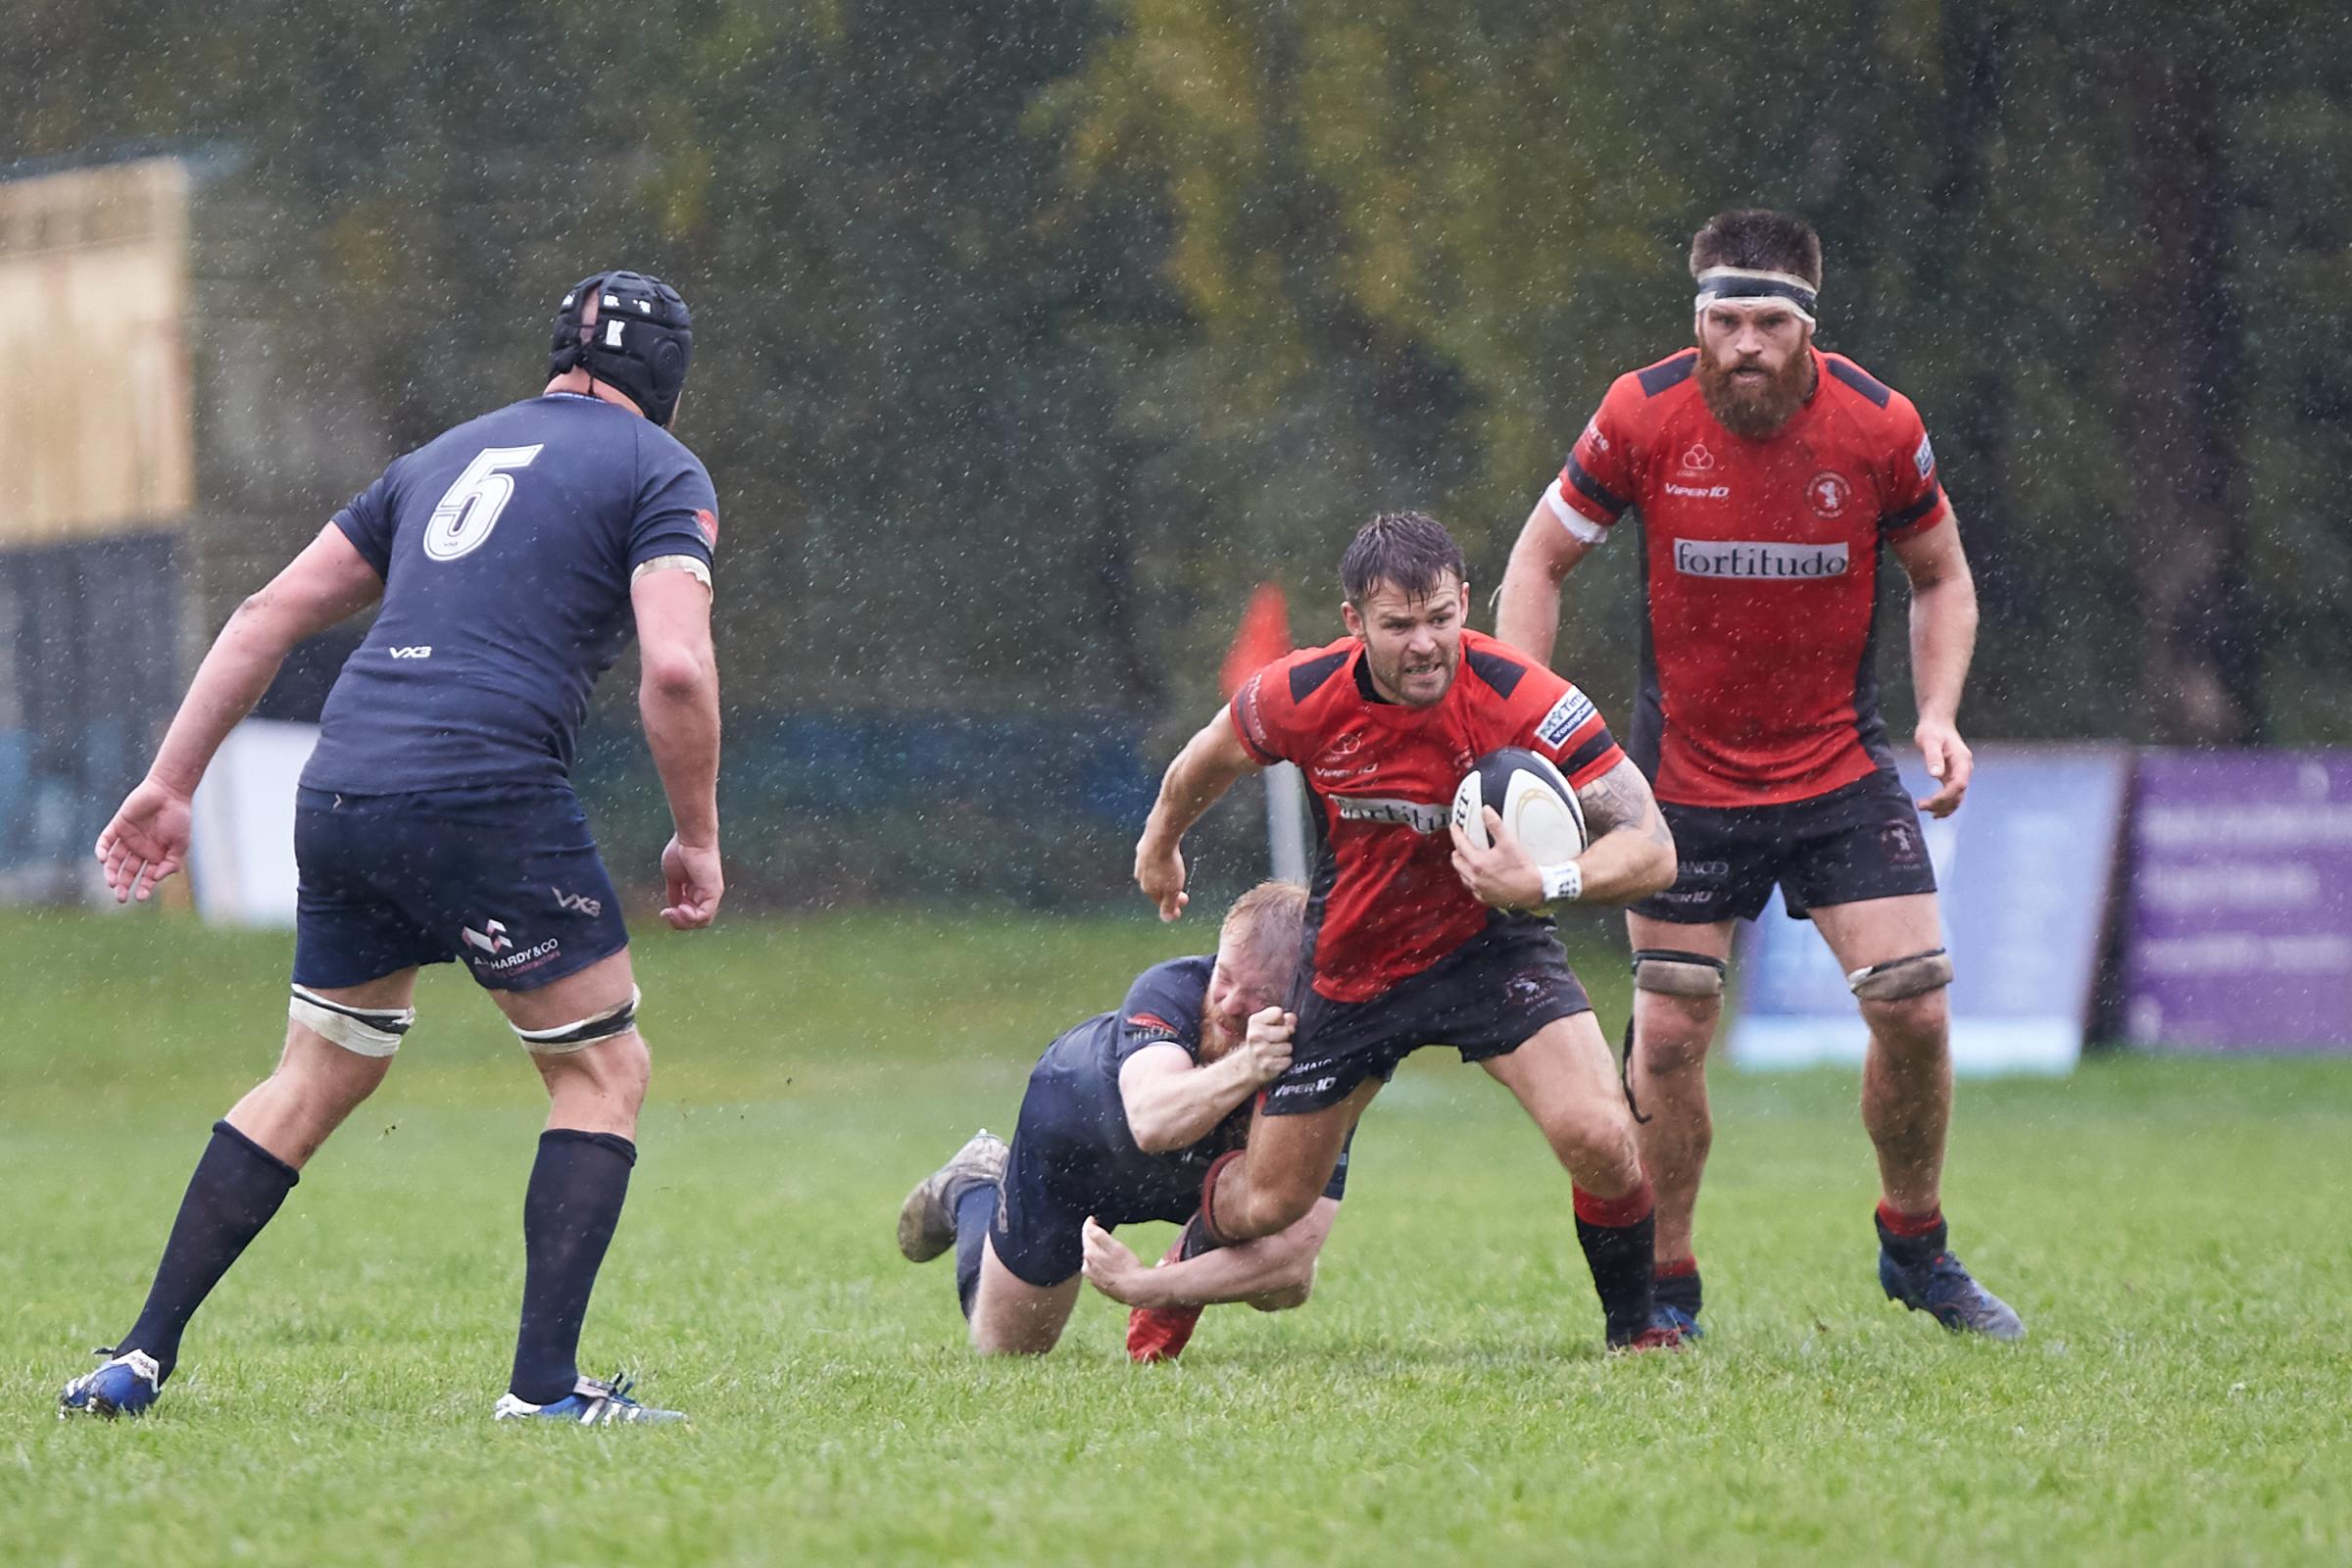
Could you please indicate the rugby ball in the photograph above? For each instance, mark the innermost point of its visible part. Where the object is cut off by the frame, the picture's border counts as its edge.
(1532, 798)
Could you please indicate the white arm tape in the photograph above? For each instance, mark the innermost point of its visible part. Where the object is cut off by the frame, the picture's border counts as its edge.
(692, 565)
(1563, 883)
(1579, 527)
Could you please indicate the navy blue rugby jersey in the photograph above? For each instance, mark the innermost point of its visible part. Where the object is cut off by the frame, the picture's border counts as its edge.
(1080, 1071)
(505, 546)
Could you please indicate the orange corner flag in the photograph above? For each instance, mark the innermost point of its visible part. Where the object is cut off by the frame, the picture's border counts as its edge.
(1264, 637)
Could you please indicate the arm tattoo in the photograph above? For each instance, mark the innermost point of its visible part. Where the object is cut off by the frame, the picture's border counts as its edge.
(1621, 799)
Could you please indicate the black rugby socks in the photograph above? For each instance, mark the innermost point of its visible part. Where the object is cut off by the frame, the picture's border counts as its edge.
(975, 1209)
(238, 1185)
(1619, 1235)
(578, 1184)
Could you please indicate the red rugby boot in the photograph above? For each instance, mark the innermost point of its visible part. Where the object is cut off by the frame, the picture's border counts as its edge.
(1161, 1333)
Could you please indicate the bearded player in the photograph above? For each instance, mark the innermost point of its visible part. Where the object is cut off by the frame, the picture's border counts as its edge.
(515, 555)
(1415, 936)
(1769, 477)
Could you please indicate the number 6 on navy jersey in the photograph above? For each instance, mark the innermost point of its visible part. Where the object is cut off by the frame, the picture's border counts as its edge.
(470, 505)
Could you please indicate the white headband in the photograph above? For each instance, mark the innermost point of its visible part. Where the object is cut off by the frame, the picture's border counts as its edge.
(1741, 286)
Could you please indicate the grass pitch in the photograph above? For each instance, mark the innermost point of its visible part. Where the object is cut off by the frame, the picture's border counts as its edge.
(2173, 1231)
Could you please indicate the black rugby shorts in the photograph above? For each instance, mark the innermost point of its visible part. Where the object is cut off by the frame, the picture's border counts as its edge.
(1860, 841)
(1487, 997)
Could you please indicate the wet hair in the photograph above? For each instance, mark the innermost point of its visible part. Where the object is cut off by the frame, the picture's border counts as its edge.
(1409, 551)
(1760, 239)
(1269, 923)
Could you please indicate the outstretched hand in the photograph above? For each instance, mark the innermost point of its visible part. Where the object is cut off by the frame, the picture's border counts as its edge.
(692, 885)
(146, 842)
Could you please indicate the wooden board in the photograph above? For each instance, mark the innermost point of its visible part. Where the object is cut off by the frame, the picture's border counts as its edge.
(96, 436)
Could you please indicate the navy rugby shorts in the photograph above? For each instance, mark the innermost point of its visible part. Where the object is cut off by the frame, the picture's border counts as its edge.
(1859, 840)
(1486, 999)
(505, 878)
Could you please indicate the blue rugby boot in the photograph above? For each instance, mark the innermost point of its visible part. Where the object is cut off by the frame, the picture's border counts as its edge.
(592, 1402)
(126, 1385)
(1920, 1271)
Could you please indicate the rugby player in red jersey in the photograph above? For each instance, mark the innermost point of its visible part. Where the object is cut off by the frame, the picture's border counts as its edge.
(1415, 936)
(1768, 476)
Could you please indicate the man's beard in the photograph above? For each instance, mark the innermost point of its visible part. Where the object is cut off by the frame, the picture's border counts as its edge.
(1394, 676)
(1756, 412)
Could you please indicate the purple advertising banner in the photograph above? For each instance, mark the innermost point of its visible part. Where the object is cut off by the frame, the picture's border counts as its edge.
(2239, 933)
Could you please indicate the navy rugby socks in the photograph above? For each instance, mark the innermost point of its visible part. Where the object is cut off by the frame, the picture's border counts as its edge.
(1619, 1234)
(578, 1184)
(975, 1209)
(237, 1187)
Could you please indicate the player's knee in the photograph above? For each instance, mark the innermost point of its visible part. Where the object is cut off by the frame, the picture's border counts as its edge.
(1916, 1023)
(1284, 1297)
(617, 1070)
(1678, 1001)
(1272, 1207)
(1672, 1034)
(1596, 1143)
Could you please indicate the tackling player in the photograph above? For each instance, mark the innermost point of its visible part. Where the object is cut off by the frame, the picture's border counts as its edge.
(1769, 477)
(515, 554)
(1415, 936)
(1122, 1116)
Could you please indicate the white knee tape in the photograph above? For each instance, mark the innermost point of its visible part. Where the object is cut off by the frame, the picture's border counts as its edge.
(362, 1031)
(567, 1037)
(1899, 979)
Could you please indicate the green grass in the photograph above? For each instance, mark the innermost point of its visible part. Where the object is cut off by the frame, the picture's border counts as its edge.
(2173, 1230)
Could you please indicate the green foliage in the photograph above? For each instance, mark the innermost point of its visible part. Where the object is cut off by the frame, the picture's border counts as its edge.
(1031, 336)
(1497, 197)
(2165, 1226)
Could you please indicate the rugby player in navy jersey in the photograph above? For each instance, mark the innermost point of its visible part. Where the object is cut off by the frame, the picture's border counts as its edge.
(1416, 936)
(515, 556)
(1122, 1118)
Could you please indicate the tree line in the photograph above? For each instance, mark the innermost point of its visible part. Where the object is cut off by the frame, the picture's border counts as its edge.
(1029, 337)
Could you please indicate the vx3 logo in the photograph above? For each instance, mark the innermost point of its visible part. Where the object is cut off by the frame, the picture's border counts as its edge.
(415, 651)
(578, 902)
